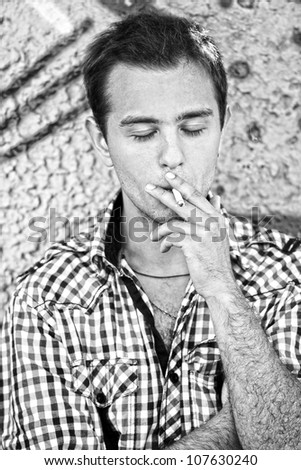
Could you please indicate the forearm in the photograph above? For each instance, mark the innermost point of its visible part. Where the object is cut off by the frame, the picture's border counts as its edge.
(218, 433)
(265, 397)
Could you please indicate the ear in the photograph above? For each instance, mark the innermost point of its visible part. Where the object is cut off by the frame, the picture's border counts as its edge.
(226, 121)
(228, 115)
(98, 140)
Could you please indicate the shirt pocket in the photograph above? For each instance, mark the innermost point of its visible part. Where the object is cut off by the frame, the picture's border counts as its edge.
(111, 385)
(205, 380)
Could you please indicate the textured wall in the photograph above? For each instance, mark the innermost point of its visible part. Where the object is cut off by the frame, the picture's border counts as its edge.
(47, 161)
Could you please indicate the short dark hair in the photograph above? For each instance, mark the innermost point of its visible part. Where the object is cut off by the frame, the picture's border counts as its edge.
(150, 40)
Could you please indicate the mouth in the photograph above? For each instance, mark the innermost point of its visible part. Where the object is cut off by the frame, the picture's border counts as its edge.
(168, 187)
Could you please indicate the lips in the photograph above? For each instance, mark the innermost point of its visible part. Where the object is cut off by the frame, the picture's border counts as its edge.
(164, 187)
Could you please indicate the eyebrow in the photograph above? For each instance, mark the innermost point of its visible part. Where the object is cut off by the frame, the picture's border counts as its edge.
(201, 113)
(131, 120)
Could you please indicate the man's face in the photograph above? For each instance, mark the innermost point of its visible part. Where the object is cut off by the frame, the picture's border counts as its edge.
(162, 120)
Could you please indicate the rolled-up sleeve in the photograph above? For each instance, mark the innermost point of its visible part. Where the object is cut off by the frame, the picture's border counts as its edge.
(283, 326)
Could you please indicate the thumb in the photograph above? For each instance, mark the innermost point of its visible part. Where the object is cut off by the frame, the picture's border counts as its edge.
(225, 393)
(216, 202)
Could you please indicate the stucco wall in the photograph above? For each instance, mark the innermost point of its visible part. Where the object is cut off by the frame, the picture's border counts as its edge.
(47, 161)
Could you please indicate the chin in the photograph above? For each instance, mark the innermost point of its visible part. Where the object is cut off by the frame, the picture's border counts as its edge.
(155, 211)
(162, 216)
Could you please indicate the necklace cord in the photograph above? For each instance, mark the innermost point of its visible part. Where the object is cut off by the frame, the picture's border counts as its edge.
(164, 311)
(160, 277)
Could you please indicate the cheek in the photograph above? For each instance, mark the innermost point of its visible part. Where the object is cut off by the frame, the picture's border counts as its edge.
(130, 160)
(203, 167)
(131, 169)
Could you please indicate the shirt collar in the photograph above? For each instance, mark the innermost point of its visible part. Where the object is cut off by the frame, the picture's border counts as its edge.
(107, 239)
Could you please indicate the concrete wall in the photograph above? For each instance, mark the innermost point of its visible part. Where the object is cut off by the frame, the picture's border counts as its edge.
(47, 161)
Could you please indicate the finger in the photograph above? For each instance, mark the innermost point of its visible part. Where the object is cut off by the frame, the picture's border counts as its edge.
(169, 242)
(197, 229)
(189, 192)
(165, 246)
(167, 198)
(169, 227)
(192, 231)
(225, 393)
(215, 201)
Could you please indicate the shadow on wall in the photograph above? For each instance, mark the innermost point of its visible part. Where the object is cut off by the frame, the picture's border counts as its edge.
(285, 224)
(43, 98)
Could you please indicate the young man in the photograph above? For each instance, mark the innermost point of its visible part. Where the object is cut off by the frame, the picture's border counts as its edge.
(184, 334)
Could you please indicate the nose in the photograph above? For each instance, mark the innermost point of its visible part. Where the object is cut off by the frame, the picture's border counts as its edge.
(171, 153)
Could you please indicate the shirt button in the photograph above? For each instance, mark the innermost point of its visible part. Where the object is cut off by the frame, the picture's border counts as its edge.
(101, 398)
(173, 377)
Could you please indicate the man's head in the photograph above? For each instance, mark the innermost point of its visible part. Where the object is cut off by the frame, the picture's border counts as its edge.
(150, 41)
(157, 89)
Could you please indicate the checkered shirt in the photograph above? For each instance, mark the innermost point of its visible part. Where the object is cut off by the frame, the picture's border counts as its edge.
(79, 360)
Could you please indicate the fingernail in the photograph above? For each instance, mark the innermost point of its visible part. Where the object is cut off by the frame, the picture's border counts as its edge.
(170, 175)
(150, 187)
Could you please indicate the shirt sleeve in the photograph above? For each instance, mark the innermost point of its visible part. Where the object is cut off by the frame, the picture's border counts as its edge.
(40, 406)
(282, 324)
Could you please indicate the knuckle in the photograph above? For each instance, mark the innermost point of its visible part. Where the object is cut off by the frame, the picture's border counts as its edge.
(164, 194)
(192, 192)
(212, 223)
(182, 184)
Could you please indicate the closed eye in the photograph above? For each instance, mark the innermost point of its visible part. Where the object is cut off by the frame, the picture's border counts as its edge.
(143, 138)
(193, 133)
(190, 133)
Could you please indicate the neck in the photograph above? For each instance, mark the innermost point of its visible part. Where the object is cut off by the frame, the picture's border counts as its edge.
(142, 253)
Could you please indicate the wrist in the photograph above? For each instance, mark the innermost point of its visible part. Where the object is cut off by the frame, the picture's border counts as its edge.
(230, 311)
(222, 291)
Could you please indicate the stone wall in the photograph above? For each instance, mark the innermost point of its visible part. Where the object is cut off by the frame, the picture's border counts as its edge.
(48, 168)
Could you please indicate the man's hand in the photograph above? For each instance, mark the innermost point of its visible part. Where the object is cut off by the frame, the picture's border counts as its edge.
(225, 393)
(201, 234)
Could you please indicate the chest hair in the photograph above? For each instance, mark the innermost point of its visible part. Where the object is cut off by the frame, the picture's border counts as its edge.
(166, 295)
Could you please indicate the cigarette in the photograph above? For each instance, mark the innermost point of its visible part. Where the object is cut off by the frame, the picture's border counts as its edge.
(178, 197)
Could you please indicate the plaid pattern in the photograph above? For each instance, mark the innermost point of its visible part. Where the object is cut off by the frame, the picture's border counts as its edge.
(75, 348)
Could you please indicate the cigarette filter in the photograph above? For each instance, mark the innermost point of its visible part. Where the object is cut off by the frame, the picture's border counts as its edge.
(178, 197)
